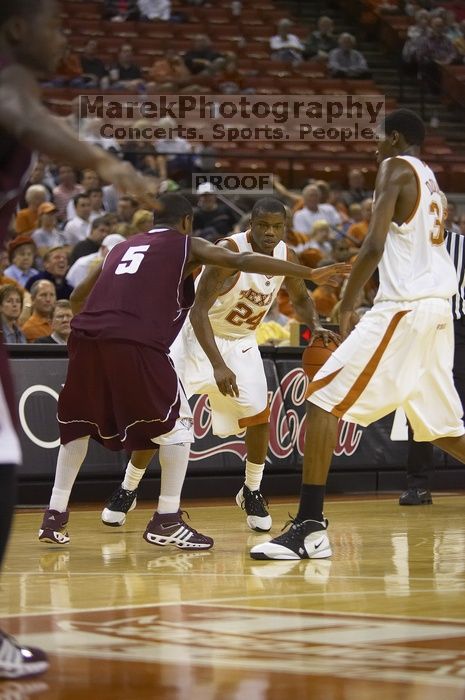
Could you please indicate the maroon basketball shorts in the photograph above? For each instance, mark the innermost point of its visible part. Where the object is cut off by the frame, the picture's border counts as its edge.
(121, 393)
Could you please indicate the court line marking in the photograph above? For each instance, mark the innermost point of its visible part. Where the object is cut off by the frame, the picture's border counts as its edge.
(198, 574)
(227, 603)
(394, 495)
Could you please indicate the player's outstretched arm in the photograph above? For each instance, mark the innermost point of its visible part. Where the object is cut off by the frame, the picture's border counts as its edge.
(22, 115)
(203, 252)
(210, 285)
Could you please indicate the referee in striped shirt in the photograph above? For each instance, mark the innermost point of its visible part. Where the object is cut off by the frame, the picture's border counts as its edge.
(420, 463)
(455, 244)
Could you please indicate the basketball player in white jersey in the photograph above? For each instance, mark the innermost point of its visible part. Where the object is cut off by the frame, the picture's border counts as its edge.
(401, 351)
(216, 353)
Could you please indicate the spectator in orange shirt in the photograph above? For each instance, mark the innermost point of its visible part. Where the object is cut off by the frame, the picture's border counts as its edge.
(69, 71)
(358, 231)
(61, 324)
(27, 219)
(43, 301)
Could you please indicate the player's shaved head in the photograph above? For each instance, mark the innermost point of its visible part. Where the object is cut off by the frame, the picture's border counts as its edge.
(268, 205)
(171, 209)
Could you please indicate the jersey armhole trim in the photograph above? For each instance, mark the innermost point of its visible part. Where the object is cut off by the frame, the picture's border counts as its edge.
(417, 203)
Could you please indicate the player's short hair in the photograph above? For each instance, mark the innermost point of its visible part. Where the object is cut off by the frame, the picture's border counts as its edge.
(171, 208)
(15, 8)
(407, 123)
(268, 205)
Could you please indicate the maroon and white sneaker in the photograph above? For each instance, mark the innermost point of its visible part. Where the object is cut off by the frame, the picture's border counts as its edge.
(170, 528)
(17, 661)
(54, 527)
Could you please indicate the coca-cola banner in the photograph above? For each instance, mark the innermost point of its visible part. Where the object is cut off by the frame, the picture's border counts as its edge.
(38, 382)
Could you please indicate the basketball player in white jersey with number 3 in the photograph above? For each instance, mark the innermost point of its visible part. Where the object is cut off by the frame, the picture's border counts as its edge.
(401, 351)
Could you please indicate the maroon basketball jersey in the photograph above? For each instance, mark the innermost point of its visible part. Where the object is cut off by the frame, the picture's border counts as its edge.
(141, 294)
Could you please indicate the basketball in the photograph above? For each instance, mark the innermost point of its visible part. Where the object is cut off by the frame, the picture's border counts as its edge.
(315, 355)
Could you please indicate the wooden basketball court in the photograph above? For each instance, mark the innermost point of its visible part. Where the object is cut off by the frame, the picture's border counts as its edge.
(384, 618)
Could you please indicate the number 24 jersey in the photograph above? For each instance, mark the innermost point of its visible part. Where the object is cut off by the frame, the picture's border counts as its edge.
(238, 312)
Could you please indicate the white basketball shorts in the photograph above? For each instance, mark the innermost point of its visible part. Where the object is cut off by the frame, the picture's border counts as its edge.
(230, 415)
(399, 354)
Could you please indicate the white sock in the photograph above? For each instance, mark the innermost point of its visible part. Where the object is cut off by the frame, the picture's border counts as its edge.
(70, 459)
(173, 460)
(253, 475)
(132, 477)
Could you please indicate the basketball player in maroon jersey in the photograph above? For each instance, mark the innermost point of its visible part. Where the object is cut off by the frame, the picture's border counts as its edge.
(31, 45)
(122, 389)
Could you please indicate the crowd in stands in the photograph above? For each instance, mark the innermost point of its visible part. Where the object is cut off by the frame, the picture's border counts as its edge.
(67, 221)
(435, 38)
(65, 230)
(178, 70)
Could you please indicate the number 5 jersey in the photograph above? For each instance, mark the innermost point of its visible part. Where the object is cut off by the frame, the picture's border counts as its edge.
(141, 294)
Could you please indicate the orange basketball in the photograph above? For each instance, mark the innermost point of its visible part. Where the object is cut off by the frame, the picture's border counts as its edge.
(315, 355)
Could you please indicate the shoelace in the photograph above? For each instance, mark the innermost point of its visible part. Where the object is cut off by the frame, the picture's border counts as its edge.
(298, 523)
(122, 497)
(184, 512)
(258, 496)
(292, 521)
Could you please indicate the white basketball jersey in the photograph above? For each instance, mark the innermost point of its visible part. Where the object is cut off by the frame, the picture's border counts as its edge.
(237, 313)
(415, 262)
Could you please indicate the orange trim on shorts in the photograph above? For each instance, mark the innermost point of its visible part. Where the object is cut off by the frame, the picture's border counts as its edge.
(366, 374)
(417, 203)
(320, 383)
(258, 419)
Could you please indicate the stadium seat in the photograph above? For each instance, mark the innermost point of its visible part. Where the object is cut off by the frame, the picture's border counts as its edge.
(442, 174)
(262, 82)
(292, 171)
(436, 150)
(329, 147)
(456, 177)
(251, 165)
(85, 10)
(324, 170)
(218, 16)
(368, 167)
(88, 27)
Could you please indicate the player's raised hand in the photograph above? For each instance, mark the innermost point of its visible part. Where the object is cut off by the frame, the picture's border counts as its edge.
(329, 273)
(226, 381)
